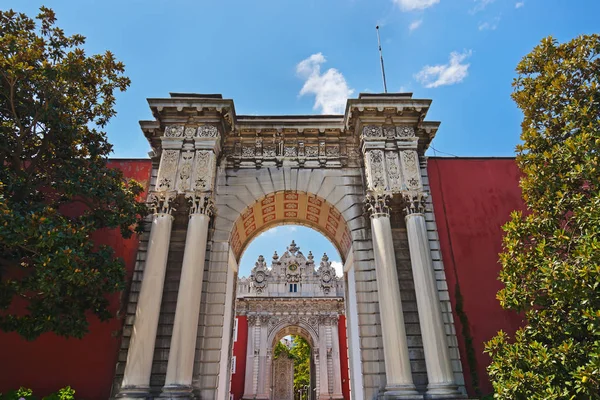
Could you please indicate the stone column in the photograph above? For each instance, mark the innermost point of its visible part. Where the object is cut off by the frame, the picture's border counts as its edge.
(435, 344)
(322, 358)
(178, 382)
(397, 363)
(335, 354)
(136, 380)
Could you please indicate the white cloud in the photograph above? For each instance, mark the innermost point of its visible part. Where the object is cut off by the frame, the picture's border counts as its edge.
(271, 232)
(292, 228)
(339, 268)
(445, 74)
(519, 4)
(411, 5)
(415, 24)
(489, 25)
(330, 88)
(480, 5)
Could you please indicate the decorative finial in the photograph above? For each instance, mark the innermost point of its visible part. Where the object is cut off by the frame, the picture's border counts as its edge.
(293, 248)
(310, 257)
(275, 256)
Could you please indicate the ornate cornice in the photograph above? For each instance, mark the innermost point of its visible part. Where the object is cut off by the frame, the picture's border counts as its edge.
(290, 306)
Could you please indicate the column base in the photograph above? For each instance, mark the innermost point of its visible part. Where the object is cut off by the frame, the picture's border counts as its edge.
(443, 392)
(179, 392)
(133, 392)
(331, 397)
(403, 392)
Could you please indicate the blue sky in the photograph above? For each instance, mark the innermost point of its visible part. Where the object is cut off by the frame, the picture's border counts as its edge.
(460, 53)
(307, 56)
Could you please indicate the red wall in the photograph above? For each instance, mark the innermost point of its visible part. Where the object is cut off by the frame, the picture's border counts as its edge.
(344, 357)
(240, 347)
(472, 199)
(87, 365)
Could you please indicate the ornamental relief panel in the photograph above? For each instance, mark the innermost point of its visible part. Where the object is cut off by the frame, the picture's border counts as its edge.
(410, 169)
(376, 170)
(393, 171)
(184, 176)
(204, 169)
(167, 170)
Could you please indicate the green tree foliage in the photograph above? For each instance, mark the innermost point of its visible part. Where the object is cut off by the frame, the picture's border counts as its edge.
(300, 351)
(551, 257)
(55, 186)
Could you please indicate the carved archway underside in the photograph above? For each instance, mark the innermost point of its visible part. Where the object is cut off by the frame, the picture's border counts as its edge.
(291, 207)
(296, 330)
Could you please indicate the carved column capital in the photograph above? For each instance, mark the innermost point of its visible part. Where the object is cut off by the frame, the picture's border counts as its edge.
(200, 203)
(377, 203)
(414, 203)
(161, 202)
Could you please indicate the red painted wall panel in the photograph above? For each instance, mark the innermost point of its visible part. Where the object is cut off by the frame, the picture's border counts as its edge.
(344, 357)
(472, 199)
(87, 364)
(240, 347)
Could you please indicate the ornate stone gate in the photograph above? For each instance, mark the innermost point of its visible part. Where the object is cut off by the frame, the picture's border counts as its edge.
(220, 179)
(292, 298)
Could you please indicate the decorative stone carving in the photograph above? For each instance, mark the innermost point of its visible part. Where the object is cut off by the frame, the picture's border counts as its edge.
(372, 131)
(208, 131)
(161, 202)
(200, 203)
(389, 132)
(376, 171)
(184, 177)
(289, 151)
(259, 275)
(174, 131)
(393, 171)
(312, 151)
(414, 203)
(410, 165)
(167, 170)
(332, 151)
(377, 203)
(283, 374)
(269, 151)
(190, 132)
(247, 152)
(327, 274)
(204, 167)
(405, 131)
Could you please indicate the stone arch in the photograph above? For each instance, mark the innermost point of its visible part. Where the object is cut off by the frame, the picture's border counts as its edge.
(290, 207)
(299, 328)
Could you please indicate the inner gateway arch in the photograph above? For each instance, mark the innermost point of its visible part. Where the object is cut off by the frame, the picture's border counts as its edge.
(220, 179)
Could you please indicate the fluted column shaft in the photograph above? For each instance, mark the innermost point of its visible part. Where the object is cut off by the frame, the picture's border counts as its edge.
(435, 343)
(185, 328)
(136, 380)
(395, 347)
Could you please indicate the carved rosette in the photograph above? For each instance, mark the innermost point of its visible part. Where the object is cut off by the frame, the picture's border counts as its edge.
(174, 131)
(207, 131)
(372, 131)
(377, 204)
(405, 132)
(200, 203)
(161, 202)
(414, 203)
